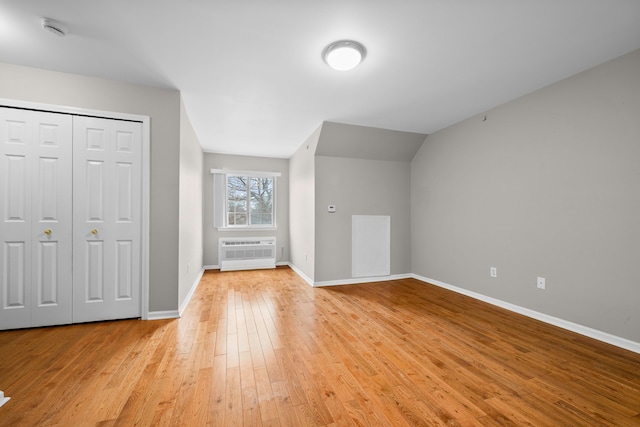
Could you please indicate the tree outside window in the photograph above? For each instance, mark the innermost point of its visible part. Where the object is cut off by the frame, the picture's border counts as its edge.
(249, 201)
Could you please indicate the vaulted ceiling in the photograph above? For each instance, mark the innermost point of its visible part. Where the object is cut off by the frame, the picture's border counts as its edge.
(253, 80)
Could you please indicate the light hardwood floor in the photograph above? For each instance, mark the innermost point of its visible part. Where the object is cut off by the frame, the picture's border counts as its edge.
(263, 348)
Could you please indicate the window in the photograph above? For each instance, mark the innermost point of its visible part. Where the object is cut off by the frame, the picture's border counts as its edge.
(244, 200)
(249, 201)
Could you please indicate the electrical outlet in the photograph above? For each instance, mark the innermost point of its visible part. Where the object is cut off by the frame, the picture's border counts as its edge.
(494, 272)
(541, 283)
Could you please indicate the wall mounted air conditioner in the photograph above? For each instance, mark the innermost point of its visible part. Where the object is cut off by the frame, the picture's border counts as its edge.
(246, 253)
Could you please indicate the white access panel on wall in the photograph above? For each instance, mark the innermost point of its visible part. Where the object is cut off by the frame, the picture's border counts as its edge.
(107, 219)
(36, 217)
(370, 245)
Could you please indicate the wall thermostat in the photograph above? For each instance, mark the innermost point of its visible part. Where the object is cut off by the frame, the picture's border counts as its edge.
(331, 209)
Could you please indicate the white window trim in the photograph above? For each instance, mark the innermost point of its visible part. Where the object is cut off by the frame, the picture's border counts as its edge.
(256, 174)
(221, 223)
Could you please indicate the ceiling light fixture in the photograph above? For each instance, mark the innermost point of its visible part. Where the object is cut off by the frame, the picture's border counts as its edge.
(53, 27)
(344, 55)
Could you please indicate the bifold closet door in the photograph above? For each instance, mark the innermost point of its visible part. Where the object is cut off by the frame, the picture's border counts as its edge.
(107, 160)
(35, 225)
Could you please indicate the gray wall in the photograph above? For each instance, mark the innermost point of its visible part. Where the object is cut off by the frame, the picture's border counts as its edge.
(363, 171)
(246, 163)
(190, 251)
(163, 106)
(548, 185)
(302, 206)
(359, 187)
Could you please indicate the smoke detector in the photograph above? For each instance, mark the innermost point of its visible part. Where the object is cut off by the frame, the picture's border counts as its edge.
(53, 27)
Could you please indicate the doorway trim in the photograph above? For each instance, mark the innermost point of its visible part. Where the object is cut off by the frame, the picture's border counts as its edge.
(146, 176)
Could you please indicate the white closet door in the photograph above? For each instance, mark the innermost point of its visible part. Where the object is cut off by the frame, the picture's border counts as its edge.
(107, 219)
(35, 225)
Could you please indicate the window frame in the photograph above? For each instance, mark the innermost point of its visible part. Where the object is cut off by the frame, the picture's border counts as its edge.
(220, 201)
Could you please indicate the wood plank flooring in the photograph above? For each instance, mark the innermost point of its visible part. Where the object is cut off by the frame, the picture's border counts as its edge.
(262, 348)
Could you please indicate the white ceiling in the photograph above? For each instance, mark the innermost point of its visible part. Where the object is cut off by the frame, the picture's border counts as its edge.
(253, 81)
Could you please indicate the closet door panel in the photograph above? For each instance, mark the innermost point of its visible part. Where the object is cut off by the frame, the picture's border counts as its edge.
(124, 270)
(107, 280)
(47, 280)
(51, 205)
(94, 279)
(124, 203)
(94, 191)
(35, 204)
(91, 197)
(16, 188)
(126, 170)
(47, 198)
(14, 277)
(15, 225)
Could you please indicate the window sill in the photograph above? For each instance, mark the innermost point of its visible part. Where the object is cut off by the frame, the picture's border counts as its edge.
(247, 228)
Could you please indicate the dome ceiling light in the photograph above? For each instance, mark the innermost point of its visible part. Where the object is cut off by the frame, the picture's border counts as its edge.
(344, 55)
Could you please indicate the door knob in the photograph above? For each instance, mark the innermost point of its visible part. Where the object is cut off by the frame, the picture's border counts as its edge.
(94, 231)
(47, 231)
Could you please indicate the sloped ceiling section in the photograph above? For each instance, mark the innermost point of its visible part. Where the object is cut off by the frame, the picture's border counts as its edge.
(363, 142)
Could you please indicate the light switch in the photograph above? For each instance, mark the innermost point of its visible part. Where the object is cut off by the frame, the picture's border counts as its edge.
(331, 209)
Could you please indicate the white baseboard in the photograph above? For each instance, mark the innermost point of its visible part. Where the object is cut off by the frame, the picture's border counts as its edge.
(347, 281)
(361, 280)
(564, 324)
(187, 299)
(301, 274)
(159, 315)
